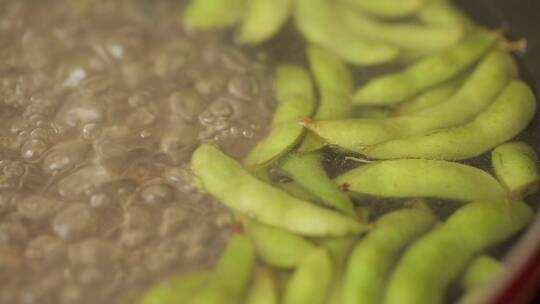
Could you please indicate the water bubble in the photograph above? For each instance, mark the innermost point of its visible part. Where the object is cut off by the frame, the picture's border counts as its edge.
(211, 84)
(65, 156)
(242, 87)
(74, 222)
(41, 133)
(247, 133)
(84, 181)
(90, 131)
(80, 113)
(234, 60)
(145, 133)
(172, 219)
(222, 107)
(187, 105)
(140, 99)
(100, 200)
(136, 218)
(116, 50)
(38, 207)
(206, 118)
(13, 169)
(33, 149)
(155, 194)
(162, 257)
(142, 116)
(45, 249)
(136, 226)
(74, 78)
(93, 252)
(179, 143)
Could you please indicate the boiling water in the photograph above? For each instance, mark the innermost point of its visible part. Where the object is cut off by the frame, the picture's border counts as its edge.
(101, 105)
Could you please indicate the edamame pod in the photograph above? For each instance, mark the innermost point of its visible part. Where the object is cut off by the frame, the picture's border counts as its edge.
(294, 189)
(504, 119)
(332, 77)
(278, 247)
(209, 14)
(480, 90)
(307, 171)
(442, 13)
(296, 100)
(263, 289)
(480, 271)
(228, 281)
(431, 263)
(422, 178)
(339, 249)
(229, 182)
(372, 112)
(516, 166)
(310, 282)
(414, 39)
(430, 98)
(263, 19)
(428, 72)
(176, 289)
(319, 22)
(335, 84)
(387, 8)
(373, 257)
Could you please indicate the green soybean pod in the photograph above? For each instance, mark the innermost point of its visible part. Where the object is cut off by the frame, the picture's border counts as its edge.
(414, 39)
(442, 13)
(296, 100)
(263, 289)
(427, 72)
(175, 289)
(294, 189)
(372, 112)
(334, 82)
(263, 19)
(373, 257)
(230, 183)
(335, 85)
(210, 14)
(320, 24)
(332, 77)
(480, 271)
(311, 280)
(277, 247)
(339, 249)
(480, 90)
(307, 171)
(505, 118)
(410, 178)
(430, 264)
(516, 166)
(430, 98)
(387, 8)
(229, 279)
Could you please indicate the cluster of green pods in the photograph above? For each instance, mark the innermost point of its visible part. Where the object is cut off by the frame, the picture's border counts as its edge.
(361, 32)
(306, 236)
